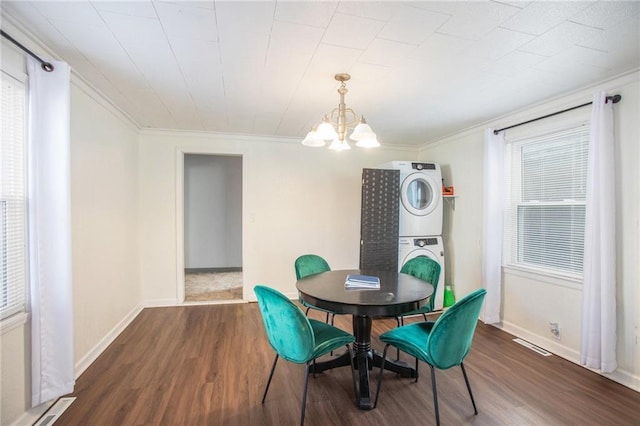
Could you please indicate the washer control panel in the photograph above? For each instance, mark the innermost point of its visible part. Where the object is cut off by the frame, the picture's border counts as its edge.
(422, 242)
(423, 166)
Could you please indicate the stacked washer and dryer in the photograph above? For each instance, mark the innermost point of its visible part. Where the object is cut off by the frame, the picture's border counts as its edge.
(420, 215)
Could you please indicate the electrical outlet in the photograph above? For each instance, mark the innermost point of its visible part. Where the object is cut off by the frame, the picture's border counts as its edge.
(554, 328)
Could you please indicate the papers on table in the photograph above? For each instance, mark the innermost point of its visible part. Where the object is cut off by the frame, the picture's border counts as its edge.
(361, 282)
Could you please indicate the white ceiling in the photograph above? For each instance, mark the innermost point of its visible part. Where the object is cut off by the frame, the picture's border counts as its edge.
(420, 70)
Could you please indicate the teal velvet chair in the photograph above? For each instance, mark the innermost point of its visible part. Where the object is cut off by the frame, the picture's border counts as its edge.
(442, 344)
(311, 264)
(428, 270)
(297, 338)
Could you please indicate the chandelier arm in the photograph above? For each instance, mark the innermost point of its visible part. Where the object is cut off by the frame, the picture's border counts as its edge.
(356, 118)
(333, 118)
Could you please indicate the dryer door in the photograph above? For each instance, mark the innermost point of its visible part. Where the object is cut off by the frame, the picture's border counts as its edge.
(418, 194)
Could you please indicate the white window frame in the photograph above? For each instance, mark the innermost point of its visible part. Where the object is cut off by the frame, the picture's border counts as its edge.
(18, 314)
(513, 192)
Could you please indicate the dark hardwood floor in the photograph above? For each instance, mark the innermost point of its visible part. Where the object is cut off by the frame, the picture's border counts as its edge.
(207, 365)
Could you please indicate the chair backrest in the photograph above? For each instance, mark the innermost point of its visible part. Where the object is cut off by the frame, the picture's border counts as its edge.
(310, 264)
(426, 269)
(452, 334)
(288, 329)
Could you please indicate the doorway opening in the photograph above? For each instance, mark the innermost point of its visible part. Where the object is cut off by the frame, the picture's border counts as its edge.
(212, 227)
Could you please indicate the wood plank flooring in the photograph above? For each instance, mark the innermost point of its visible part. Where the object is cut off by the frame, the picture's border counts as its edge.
(208, 365)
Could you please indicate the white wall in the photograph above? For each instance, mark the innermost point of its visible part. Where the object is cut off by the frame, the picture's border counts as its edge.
(106, 285)
(296, 200)
(212, 211)
(531, 302)
(104, 213)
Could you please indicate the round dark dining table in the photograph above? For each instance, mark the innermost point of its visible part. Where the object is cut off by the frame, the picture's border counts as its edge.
(398, 293)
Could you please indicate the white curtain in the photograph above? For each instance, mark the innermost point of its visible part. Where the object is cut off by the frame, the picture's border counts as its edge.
(52, 361)
(599, 289)
(492, 222)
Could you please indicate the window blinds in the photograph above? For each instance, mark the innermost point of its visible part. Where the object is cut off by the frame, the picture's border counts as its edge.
(12, 199)
(546, 202)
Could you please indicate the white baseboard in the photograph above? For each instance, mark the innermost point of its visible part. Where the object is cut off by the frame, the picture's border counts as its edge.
(93, 354)
(620, 376)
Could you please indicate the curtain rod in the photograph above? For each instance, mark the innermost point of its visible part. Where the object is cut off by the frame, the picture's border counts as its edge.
(614, 99)
(47, 66)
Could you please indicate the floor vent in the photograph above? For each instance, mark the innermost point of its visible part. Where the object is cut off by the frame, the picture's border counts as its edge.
(54, 412)
(532, 347)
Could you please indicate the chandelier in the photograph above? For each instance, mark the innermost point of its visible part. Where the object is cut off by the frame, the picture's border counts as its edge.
(335, 124)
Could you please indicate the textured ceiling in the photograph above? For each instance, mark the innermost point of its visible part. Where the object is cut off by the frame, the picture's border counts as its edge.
(420, 70)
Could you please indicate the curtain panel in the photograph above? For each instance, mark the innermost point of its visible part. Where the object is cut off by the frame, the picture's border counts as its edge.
(492, 224)
(598, 346)
(49, 222)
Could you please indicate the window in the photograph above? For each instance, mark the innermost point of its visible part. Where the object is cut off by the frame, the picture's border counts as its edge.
(13, 269)
(546, 202)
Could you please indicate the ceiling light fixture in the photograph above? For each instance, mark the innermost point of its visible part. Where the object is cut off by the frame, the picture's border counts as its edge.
(335, 124)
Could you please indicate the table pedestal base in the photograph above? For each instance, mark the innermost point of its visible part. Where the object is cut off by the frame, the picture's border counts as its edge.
(364, 360)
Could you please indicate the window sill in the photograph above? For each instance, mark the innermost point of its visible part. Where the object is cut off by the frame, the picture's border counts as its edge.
(12, 322)
(567, 282)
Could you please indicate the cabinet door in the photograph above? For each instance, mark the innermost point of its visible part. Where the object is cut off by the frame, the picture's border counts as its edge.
(379, 220)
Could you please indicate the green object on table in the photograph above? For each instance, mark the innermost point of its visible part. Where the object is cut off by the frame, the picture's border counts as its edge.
(449, 297)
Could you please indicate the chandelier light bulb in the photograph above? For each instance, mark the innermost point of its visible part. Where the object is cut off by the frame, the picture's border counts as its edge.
(362, 131)
(313, 140)
(326, 131)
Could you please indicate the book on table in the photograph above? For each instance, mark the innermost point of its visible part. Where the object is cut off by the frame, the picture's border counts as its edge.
(362, 281)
